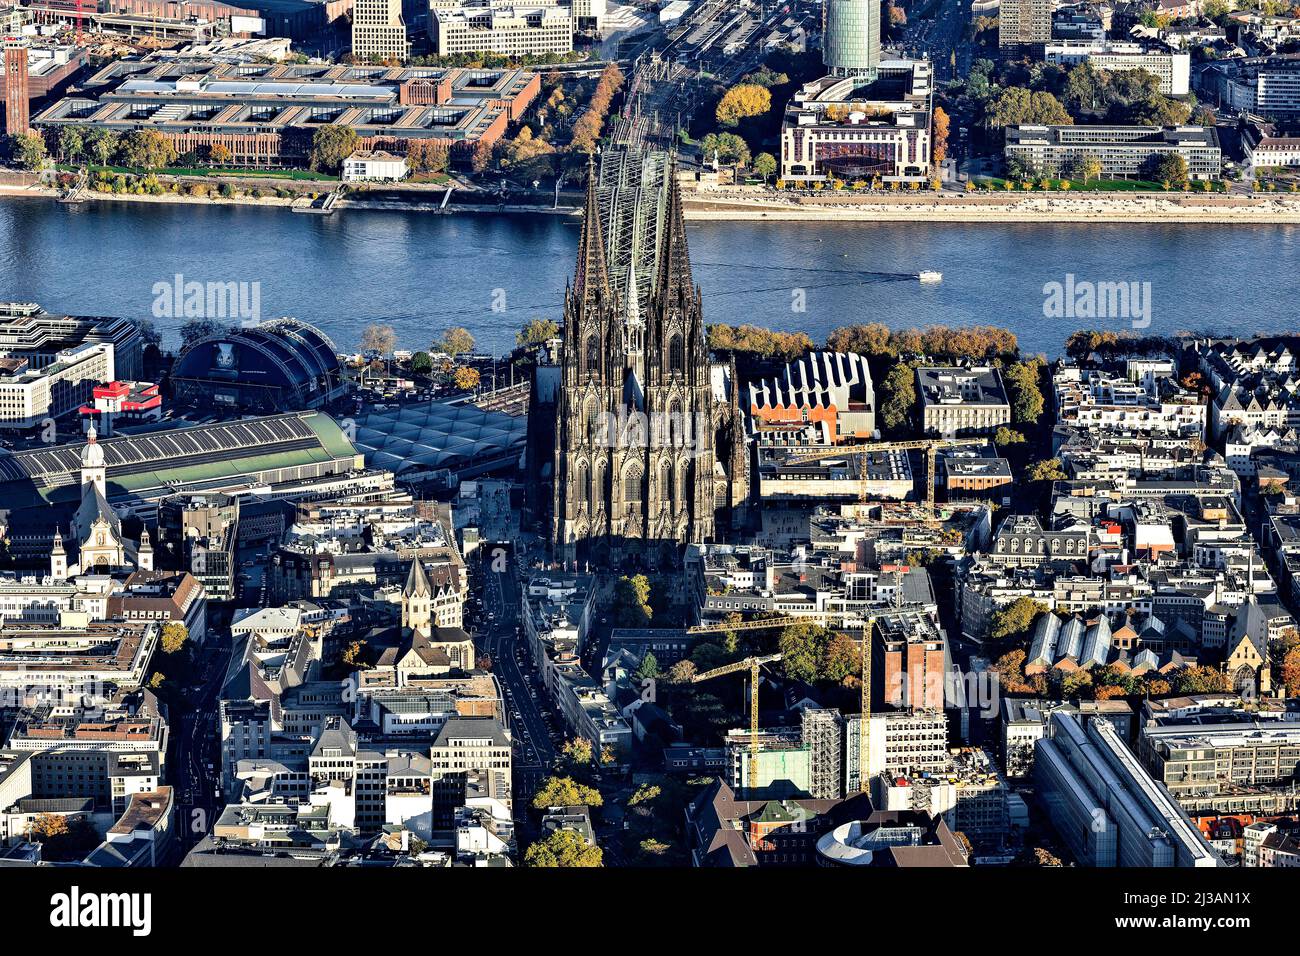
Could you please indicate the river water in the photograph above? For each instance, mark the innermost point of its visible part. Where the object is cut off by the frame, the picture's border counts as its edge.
(490, 273)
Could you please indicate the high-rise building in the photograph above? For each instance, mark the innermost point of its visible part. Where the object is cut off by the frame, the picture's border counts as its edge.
(1023, 24)
(851, 37)
(379, 30)
(17, 86)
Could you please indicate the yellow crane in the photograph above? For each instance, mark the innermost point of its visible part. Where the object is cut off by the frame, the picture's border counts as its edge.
(930, 446)
(864, 729)
(751, 664)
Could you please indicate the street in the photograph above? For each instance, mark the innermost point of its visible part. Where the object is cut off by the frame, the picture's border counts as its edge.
(522, 695)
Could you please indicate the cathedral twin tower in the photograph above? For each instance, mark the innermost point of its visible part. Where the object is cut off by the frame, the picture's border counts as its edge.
(640, 409)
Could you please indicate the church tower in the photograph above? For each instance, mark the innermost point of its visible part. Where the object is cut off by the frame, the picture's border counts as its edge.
(93, 470)
(634, 446)
(417, 601)
(144, 555)
(58, 558)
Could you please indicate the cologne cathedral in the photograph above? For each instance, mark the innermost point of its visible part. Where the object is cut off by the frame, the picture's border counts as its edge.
(649, 439)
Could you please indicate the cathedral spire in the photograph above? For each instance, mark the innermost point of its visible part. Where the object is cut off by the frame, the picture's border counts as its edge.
(591, 277)
(675, 282)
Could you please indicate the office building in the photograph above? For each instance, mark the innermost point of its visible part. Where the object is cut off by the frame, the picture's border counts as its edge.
(957, 402)
(378, 31)
(29, 396)
(266, 113)
(1023, 25)
(500, 26)
(1124, 151)
(851, 38)
(28, 332)
(857, 128)
(1106, 807)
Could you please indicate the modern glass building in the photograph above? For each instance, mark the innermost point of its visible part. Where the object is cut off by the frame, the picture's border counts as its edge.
(851, 38)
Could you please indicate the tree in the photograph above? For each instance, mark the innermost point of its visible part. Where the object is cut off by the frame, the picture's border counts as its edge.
(101, 145)
(196, 330)
(632, 601)
(455, 341)
(1049, 469)
(330, 145)
(558, 791)
(1089, 168)
(465, 378)
(220, 155)
(27, 150)
(765, 166)
(174, 636)
(72, 143)
(1170, 168)
(47, 826)
(537, 332)
(1007, 436)
(742, 101)
(1286, 657)
(1026, 397)
(563, 848)
(481, 158)
(1015, 618)
(421, 363)
(577, 752)
(802, 645)
(898, 396)
(727, 147)
(1016, 105)
(648, 669)
(681, 673)
(1010, 668)
(377, 338)
(426, 156)
(145, 149)
(939, 134)
(1201, 679)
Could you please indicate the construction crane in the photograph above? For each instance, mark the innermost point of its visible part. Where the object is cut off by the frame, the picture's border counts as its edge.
(751, 664)
(930, 446)
(864, 728)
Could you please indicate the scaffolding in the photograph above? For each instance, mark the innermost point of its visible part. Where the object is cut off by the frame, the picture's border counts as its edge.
(823, 734)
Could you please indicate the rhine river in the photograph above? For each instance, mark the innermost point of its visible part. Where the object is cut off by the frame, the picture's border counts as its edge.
(423, 273)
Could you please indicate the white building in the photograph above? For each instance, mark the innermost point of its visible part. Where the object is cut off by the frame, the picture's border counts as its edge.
(494, 26)
(1173, 69)
(31, 394)
(374, 166)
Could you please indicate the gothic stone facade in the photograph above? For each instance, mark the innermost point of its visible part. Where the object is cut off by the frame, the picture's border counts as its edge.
(636, 469)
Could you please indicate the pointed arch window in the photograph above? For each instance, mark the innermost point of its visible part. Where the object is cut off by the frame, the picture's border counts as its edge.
(591, 354)
(676, 354)
(632, 486)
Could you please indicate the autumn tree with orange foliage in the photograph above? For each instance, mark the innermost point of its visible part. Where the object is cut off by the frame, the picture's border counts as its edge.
(939, 134)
